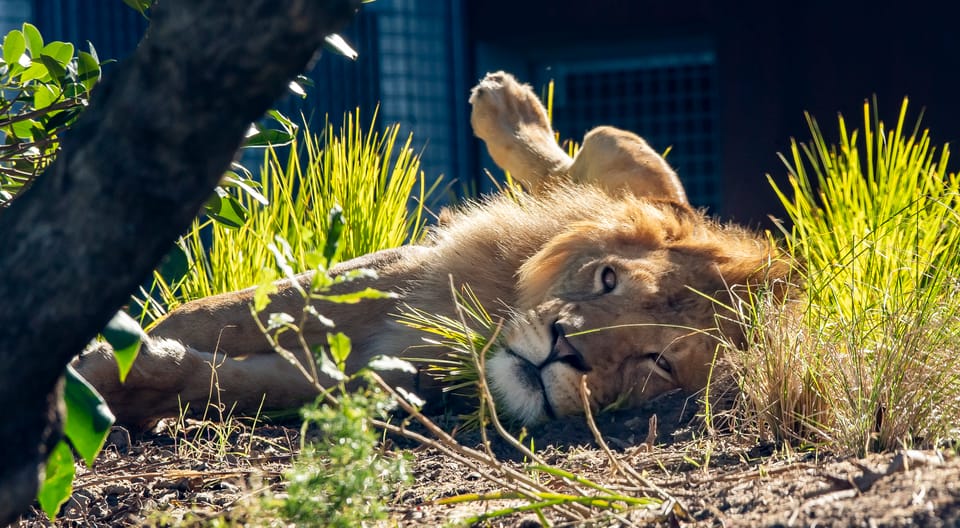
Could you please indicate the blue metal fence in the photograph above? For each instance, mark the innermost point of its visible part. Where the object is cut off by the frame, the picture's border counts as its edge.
(412, 62)
(421, 52)
(13, 13)
(412, 55)
(112, 27)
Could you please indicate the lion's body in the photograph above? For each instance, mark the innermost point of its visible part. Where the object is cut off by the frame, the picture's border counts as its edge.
(483, 245)
(611, 283)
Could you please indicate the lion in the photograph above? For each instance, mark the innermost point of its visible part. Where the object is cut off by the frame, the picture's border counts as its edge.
(602, 270)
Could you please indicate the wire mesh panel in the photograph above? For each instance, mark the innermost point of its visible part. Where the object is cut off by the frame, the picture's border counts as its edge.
(420, 52)
(410, 63)
(669, 99)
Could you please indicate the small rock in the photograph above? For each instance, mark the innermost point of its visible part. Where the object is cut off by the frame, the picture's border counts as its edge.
(226, 486)
(116, 489)
(204, 497)
(74, 507)
(119, 439)
(99, 509)
(224, 500)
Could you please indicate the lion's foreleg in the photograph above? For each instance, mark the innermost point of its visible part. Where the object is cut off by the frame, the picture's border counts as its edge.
(513, 123)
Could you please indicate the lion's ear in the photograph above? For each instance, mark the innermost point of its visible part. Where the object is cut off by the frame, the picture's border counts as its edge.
(618, 161)
(758, 267)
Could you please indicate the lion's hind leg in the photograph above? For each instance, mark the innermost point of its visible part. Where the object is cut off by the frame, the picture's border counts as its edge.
(618, 160)
(168, 378)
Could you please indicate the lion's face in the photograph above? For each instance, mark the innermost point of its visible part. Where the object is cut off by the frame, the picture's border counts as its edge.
(625, 301)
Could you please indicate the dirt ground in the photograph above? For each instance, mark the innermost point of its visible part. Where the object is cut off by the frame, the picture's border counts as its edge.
(707, 480)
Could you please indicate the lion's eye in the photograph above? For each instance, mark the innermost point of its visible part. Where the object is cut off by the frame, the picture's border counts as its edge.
(608, 279)
(661, 362)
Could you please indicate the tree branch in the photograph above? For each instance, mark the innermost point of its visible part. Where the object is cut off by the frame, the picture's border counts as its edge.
(134, 170)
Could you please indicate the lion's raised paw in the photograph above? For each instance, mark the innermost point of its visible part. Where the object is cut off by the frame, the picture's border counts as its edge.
(502, 105)
(510, 118)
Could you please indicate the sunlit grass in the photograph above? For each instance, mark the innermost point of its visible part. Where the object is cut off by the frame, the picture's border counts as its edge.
(455, 342)
(869, 358)
(374, 177)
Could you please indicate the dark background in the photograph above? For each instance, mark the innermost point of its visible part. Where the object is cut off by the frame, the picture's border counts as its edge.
(724, 84)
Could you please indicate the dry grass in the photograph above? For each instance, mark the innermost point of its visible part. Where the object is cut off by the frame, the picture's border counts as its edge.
(869, 358)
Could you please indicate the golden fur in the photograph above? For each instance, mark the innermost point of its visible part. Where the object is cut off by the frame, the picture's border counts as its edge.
(606, 276)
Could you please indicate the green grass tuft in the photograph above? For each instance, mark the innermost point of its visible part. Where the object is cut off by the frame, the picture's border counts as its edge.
(869, 359)
(373, 177)
(458, 344)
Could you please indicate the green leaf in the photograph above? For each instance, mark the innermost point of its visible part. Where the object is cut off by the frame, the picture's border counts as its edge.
(320, 281)
(58, 73)
(58, 482)
(175, 265)
(232, 179)
(357, 296)
(336, 44)
(359, 273)
(335, 223)
(284, 121)
(141, 6)
(45, 95)
(73, 89)
(303, 80)
(382, 363)
(36, 71)
(315, 261)
(266, 287)
(225, 209)
(279, 320)
(93, 53)
(295, 87)
(62, 52)
(88, 417)
(34, 39)
(23, 130)
(88, 70)
(13, 47)
(124, 335)
(322, 319)
(281, 252)
(62, 118)
(412, 398)
(327, 366)
(339, 349)
(268, 137)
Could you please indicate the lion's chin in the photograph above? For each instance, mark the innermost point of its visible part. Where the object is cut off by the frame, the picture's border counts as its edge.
(517, 388)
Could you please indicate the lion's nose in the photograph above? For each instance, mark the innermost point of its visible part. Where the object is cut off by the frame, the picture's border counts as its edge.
(564, 351)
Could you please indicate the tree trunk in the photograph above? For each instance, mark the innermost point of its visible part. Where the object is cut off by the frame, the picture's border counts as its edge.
(134, 170)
